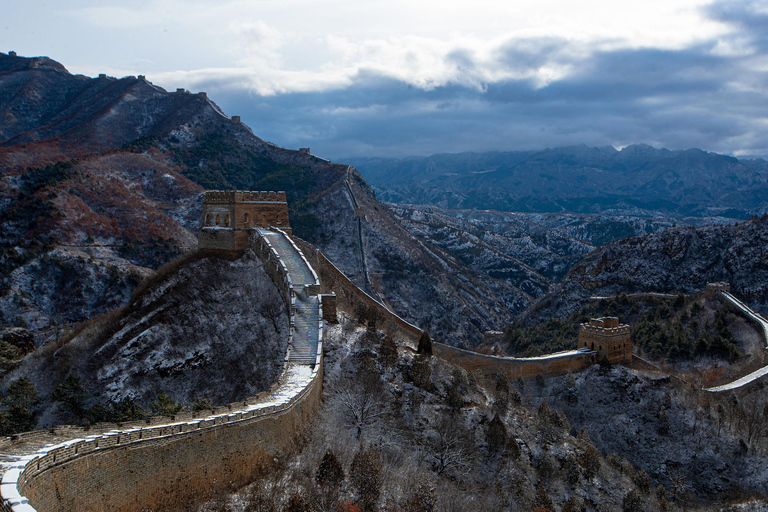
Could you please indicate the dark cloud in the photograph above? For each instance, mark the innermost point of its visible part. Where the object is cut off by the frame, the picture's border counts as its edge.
(693, 97)
(749, 16)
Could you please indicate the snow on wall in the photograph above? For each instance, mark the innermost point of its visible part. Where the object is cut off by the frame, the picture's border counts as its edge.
(762, 326)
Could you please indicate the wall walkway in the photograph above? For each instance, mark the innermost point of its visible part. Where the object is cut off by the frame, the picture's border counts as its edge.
(762, 326)
(166, 464)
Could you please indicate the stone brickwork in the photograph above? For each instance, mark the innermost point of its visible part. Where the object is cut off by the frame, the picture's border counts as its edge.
(229, 216)
(349, 296)
(611, 340)
(713, 289)
(165, 468)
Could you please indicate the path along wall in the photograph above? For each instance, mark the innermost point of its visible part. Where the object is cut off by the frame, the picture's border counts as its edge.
(166, 467)
(349, 296)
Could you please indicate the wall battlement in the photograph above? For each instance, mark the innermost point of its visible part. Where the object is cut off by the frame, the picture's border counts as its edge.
(231, 196)
(608, 337)
(229, 216)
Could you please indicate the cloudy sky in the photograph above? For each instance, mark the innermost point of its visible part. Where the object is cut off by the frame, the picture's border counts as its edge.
(415, 77)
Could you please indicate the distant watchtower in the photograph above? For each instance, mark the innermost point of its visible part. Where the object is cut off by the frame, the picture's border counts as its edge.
(610, 339)
(229, 215)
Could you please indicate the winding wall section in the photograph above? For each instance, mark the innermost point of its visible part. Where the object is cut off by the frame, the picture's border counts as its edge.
(167, 465)
(762, 326)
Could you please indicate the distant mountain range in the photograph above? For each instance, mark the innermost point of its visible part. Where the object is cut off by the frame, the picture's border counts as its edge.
(635, 180)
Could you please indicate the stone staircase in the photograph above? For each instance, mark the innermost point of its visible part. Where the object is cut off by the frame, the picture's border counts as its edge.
(306, 319)
(306, 330)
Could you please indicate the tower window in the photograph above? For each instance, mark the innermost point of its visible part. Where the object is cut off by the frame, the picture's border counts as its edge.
(218, 219)
(246, 218)
(226, 220)
(207, 219)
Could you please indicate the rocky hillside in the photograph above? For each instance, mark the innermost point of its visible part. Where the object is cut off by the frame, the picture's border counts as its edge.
(577, 179)
(102, 179)
(528, 250)
(680, 259)
(399, 431)
(179, 337)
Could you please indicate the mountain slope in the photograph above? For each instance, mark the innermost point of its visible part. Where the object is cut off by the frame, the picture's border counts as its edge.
(681, 259)
(179, 337)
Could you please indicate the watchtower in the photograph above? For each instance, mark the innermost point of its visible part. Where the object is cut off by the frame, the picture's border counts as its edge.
(713, 289)
(230, 215)
(608, 337)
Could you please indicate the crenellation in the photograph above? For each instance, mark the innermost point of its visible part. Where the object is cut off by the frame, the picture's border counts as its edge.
(608, 337)
(230, 215)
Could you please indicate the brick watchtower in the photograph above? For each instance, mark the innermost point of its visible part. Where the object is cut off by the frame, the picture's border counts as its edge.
(229, 215)
(610, 339)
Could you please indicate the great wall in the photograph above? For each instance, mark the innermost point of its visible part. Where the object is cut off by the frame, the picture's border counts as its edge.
(163, 461)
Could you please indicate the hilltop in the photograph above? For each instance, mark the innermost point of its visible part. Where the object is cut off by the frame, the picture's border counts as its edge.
(677, 260)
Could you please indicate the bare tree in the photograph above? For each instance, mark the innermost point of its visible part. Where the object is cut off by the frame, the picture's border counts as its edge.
(449, 452)
(273, 311)
(362, 409)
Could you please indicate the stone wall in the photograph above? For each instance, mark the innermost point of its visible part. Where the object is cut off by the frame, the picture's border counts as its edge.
(487, 367)
(229, 216)
(349, 296)
(611, 340)
(165, 467)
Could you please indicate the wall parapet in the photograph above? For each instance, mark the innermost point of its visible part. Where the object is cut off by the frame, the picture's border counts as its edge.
(243, 196)
(336, 281)
(488, 366)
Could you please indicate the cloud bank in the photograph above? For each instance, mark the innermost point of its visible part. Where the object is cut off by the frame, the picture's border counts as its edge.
(376, 78)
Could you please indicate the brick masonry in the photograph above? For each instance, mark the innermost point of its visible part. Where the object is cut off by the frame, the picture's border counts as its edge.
(229, 217)
(168, 468)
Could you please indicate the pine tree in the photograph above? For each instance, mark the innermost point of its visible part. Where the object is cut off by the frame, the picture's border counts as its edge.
(365, 475)
(71, 395)
(425, 344)
(329, 472)
(19, 405)
(497, 435)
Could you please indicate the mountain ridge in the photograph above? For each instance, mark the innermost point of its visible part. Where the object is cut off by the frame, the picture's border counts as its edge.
(578, 179)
